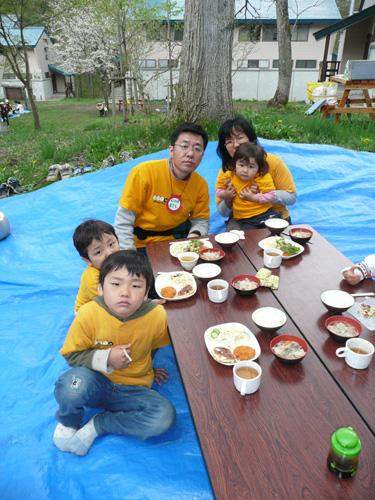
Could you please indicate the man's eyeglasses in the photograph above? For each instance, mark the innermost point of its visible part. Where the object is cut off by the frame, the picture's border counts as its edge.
(185, 146)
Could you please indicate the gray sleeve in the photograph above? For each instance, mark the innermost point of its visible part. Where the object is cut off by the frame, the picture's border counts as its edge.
(124, 225)
(81, 358)
(223, 209)
(285, 198)
(200, 225)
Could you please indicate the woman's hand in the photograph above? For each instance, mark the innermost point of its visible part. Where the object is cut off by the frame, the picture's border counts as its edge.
(352, 275)
(248, 194)
(119, 357)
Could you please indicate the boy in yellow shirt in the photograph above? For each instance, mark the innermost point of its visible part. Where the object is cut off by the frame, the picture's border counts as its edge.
(94, 240)
(110, 346)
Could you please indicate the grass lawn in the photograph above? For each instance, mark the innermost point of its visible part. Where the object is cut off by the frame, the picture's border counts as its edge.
(73, 132)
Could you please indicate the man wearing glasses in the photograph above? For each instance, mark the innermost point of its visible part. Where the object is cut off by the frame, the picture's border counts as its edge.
(166, 199)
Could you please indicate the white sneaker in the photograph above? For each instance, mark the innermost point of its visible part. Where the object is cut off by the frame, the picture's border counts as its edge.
(82, 440)
(62, 436)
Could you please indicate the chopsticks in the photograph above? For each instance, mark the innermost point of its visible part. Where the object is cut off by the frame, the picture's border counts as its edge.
(364, 294)
(190, 239)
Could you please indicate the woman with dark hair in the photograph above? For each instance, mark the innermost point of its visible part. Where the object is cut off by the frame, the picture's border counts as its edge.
(238, 131)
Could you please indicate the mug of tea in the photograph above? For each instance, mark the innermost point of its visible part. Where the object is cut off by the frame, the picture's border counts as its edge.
(272, 257)
(188, 260)
(357, 352)
(246, 377)
(217, 290)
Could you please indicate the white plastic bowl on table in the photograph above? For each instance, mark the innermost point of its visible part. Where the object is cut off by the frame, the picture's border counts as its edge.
(206, 271)
(276, 225)
(227, 240)
(337, 300)
(269, 318)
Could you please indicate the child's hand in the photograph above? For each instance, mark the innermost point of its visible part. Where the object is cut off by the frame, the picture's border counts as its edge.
(119, 357)
(160, 375)
(254, 188)
(352, 275)
(248, 194)
(229, 193)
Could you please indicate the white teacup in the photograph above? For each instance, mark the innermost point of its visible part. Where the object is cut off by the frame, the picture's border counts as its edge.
(217, 290)
(188, 260)
(272, 257)
(245, 379)
(357, 352)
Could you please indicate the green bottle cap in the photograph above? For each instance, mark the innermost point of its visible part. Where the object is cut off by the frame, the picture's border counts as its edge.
(345, 441)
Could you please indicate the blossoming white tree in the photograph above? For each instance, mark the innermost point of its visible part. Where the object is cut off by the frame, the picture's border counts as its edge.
(86, 43)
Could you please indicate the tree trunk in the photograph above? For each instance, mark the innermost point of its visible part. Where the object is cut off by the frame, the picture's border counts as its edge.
(281, 96)
(205, 81)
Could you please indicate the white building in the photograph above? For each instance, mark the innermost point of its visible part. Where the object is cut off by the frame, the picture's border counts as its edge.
(47, 79)
(255, 50)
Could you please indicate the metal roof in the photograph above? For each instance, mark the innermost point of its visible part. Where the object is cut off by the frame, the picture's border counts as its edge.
(31, 36)
(345, 23)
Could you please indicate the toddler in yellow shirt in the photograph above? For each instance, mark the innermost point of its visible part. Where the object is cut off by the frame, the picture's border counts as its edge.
(94, 240)
(110, 347)
(249, 187)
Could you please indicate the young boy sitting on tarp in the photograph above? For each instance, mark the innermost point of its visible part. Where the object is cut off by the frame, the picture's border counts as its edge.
(109, 347)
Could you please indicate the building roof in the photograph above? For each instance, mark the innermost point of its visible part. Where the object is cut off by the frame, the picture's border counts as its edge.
(58, 70)
(345, 23)
(265, 11)
(31, 35)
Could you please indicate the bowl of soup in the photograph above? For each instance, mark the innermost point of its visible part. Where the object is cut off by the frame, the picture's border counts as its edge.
(245, 284)
(211, 254)
(288, 348)
(342, 328)
(300, 235)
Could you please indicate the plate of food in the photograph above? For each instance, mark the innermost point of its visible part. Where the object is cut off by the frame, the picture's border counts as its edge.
(193, 245)
(364, 312)
(289, 248)
(175, 285)
(229, 343)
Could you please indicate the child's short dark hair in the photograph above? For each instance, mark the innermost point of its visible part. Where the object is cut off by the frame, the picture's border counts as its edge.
(88, 231)
(192, 128)
(135, 262)
(249, 150)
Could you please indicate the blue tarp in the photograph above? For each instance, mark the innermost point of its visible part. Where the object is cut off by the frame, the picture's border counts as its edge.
(39, 276)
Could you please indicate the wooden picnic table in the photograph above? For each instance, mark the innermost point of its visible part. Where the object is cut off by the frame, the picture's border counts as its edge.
(345, 105)
(273, 443)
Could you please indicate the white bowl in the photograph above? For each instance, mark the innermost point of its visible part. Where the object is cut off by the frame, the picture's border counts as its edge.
(206, 271)
(188, 260)
(336, 300)
(269, 318)
(227, 240)
(276, 226)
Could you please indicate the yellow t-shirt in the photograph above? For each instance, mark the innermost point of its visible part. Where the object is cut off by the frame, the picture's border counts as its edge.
(95, 328)
(282, 179)
(244, 209)
(88, 287)
(146, 191)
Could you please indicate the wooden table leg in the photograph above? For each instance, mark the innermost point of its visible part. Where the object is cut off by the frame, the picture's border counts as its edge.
(368, 102)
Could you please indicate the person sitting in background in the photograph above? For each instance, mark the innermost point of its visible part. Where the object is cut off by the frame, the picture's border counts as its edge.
(237, 131)
(249, 209)
(363, 270)
(166, 199)
(94, 240)
(110, 347)
(18, 107)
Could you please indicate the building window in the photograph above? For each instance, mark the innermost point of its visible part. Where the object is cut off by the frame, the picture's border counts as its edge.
(147, 63)
(276, 65)
(252, 63)
(264, 63)
(305, 63)
(300, 33)
(46, 53)
(166, 63)
(269, 33)
(178, 33)
(249, 34)
(47, 74)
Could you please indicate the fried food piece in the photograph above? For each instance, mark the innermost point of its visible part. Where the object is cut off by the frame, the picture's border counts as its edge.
(185, 290)
(243, 352)
(168, 292)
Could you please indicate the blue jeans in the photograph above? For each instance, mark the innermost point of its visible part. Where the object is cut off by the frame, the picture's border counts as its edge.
(128, 410)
